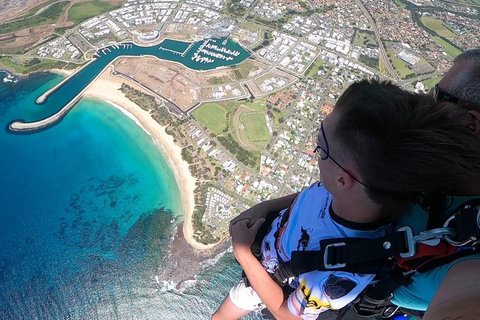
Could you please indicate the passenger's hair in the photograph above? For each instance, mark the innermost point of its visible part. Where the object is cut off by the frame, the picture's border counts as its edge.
(402, 144)
(466, 84)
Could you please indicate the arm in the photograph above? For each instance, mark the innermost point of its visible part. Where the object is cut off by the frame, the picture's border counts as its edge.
(261, 209)
(267, 289)
(459, 293)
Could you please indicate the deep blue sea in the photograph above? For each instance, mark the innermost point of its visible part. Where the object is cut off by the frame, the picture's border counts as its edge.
(87, 209)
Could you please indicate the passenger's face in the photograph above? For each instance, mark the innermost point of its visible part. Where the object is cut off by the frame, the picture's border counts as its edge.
(325, 141)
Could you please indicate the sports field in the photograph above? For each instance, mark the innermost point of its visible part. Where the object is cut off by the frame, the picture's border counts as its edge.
(449, 49)
(400, 66)
(213, 116)
(438, 27)
(255, 126)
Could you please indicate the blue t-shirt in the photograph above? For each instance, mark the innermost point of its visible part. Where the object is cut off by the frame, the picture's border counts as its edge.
(420, 292)
(312, 219)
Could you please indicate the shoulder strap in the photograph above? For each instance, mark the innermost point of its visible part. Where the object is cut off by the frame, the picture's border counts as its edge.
(355, 255)
(435, 204)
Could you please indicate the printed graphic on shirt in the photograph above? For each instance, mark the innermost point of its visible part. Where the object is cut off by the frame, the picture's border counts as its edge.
(267, 246)
(337, 287)
(270, 260)
(302, 299)
(304, 239)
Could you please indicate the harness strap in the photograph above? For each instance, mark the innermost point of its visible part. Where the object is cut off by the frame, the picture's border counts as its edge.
(356, 255)
(465, 224)
(283, 273)
(436, 204)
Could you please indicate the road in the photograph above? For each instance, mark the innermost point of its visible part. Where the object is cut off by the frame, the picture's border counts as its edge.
(383, 54)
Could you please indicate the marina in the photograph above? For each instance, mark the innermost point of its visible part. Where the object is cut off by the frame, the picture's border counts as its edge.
(202, 55)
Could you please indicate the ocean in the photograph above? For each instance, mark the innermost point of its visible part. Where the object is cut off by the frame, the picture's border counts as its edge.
(87, 209)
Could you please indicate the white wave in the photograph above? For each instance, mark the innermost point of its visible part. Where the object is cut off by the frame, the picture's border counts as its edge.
(213, 261)
(130, 115)
(167, 286)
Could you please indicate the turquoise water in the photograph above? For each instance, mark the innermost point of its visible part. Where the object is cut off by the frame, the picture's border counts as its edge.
(87, 208)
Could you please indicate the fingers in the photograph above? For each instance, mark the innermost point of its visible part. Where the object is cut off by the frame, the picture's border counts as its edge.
(257, 224)
(237, 220)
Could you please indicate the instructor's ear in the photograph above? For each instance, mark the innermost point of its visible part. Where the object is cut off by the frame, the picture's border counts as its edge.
(474, 122)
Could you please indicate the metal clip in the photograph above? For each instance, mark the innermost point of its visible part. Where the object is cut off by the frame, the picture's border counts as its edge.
(325, 256)
(412, 249)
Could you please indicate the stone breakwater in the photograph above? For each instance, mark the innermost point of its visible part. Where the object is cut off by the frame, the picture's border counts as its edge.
(31, 127)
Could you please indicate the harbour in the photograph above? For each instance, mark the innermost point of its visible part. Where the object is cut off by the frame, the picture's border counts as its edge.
(221, 53)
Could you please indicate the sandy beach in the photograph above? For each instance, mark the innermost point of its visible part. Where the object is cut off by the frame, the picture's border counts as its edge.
(106, 88)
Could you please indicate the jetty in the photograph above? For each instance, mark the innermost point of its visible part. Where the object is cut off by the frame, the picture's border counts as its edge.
(44, 96)
(187, 50)
(169, 50)
(19, 126)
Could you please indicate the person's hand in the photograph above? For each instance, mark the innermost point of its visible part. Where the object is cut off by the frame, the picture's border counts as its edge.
(243, 234)
(251, 215)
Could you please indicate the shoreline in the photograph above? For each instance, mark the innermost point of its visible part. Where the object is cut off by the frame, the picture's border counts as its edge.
(106, 88)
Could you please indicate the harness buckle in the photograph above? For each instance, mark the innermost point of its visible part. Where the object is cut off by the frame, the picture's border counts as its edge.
(326, 255)
(409, 241)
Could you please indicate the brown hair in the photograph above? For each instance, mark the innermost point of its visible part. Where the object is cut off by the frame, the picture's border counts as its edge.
(402, 144)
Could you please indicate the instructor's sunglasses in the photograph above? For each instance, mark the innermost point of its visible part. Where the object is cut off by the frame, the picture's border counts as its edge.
(439, 95)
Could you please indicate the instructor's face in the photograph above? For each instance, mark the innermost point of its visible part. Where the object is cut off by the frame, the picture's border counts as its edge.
(452, 73)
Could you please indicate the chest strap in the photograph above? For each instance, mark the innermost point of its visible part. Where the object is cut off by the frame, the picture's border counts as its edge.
(459, 237)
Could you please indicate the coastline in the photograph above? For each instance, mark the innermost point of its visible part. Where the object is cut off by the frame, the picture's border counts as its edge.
(106, 88)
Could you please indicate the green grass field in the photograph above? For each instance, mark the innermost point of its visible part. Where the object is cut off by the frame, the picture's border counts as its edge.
(314, 69)
(399, 65)
(438, 27)
(80, 12)
(430, 83)
(255, 126)
(212, 116)
(20, 67)
(364, 39)
(449, 49)
(258, 104)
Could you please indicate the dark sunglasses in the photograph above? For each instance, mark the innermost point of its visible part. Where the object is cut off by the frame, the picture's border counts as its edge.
(325, 152)
(439, 95)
